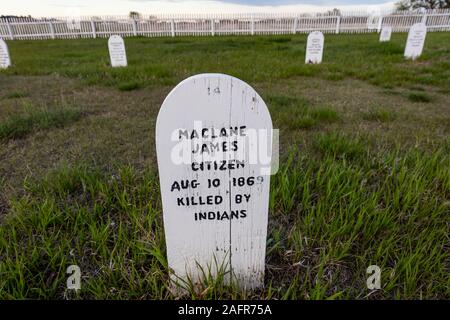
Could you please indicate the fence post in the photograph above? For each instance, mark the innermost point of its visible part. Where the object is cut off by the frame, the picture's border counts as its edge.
(10, 31)
(338, 24)
(294, 31)
(424, 18)
(380, 23)
(94, 33)
(172, 27)
(252, 30)
(52, 29)
(134, 27)
(213, 31)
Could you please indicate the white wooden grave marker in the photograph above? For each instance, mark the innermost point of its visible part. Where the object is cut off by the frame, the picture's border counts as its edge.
(385, 34)
(416, 40)
(5, 60)
(117, 51)
(215, 196)
(314, 47)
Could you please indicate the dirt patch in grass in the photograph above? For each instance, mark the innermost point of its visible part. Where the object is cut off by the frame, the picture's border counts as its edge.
(413, 123)
(116, 127)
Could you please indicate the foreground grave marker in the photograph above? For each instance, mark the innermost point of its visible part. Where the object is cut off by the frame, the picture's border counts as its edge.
(5, 60)
(385, 34)
(416, 40)
(117, 51)
(215, 194)
(314, 47)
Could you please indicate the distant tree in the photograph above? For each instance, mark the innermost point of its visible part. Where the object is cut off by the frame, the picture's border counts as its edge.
(18, 18)
(334, 12)
(426, 4)
(134, 15)
(403, 5)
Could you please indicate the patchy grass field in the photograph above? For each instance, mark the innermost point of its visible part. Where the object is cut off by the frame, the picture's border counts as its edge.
(364, 177)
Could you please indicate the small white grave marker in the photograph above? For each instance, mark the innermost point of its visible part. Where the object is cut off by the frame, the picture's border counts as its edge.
(215, 197)
(117, 51)
(416, 40)
(385, 34)
(5, 60)
(314, 47)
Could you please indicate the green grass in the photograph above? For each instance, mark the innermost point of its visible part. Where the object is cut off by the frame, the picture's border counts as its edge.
(15, 95)
(249, 58)
(299, 114)
(309, 117)
(343, 216)
(364, 172)
(325, 114)
(18, 126)
(128, 86)
(419, 97)
(380, 115)
(339, 146)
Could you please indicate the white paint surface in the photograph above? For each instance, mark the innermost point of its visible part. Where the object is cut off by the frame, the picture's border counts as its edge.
(314, 47)
(218, 101)
(416, 41)
(5, 59)
(117, 51)
(385, 34)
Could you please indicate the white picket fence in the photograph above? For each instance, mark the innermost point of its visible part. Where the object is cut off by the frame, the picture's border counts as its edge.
(218, 24)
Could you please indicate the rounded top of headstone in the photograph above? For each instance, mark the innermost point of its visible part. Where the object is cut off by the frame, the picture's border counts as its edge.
(115, 37)
(419, 25)
(204, 79)
(315, 33)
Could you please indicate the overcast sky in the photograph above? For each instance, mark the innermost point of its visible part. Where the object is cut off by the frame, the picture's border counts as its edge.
(40, 8)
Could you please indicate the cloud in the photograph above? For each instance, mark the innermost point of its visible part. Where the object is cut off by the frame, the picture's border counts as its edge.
(47, 8)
